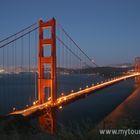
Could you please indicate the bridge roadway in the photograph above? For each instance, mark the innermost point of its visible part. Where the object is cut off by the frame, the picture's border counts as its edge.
(72, 96)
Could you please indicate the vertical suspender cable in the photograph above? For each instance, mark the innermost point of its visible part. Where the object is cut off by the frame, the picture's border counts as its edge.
(35, 75)
(29, 68)
(22, 67)
(7, 77)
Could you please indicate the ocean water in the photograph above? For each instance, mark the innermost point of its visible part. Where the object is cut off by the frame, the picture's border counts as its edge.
(19, 90)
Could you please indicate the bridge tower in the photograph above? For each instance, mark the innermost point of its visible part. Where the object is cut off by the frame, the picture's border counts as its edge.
(48, 120)
(50, 61)
(137, 69)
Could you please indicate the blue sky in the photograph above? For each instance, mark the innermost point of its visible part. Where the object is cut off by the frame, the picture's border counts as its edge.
(107, 30)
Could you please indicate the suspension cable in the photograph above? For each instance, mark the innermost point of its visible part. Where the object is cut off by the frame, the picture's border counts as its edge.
(18, 32)
(18, 37)
(67, 47)
(76, 45)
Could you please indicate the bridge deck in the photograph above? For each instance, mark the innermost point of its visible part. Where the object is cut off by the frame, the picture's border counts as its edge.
(72, 96)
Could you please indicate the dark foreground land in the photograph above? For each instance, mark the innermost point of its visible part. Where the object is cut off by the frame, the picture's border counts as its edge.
(20, 128)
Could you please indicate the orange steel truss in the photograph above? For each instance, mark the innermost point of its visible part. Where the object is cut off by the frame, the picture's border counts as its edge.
(49, 83)
(47, 121)
(137, 69)
(137, 64)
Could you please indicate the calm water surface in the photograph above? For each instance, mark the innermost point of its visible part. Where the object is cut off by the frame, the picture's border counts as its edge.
(18, 90)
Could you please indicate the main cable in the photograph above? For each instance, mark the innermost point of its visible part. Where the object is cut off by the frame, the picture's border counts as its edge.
(76, 45)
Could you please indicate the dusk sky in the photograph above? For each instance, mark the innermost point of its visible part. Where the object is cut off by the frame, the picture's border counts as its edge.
(107, 30)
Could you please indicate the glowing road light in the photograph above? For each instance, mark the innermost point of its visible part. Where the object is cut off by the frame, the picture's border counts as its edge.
(80, 88)
(72, 90)
(92, 84)
(1, 71)
(34, 103)
(58, 101)
(27, 105)
(60, 107)
(62, 94)
(49, 98)
(87, 86)
(14, 108)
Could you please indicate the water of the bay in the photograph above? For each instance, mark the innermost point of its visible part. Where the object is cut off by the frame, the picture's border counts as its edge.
(19, 91)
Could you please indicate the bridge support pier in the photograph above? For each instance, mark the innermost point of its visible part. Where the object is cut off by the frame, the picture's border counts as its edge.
(48, 120)
(47, 70)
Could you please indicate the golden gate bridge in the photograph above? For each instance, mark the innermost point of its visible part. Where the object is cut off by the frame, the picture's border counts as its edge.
(34, 59)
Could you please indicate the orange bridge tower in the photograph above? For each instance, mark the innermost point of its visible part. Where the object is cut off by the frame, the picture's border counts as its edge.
(46, 62)
(137, 69)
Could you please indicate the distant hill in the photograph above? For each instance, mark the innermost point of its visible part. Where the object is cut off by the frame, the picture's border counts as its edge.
(104, 71)
(123, 65)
